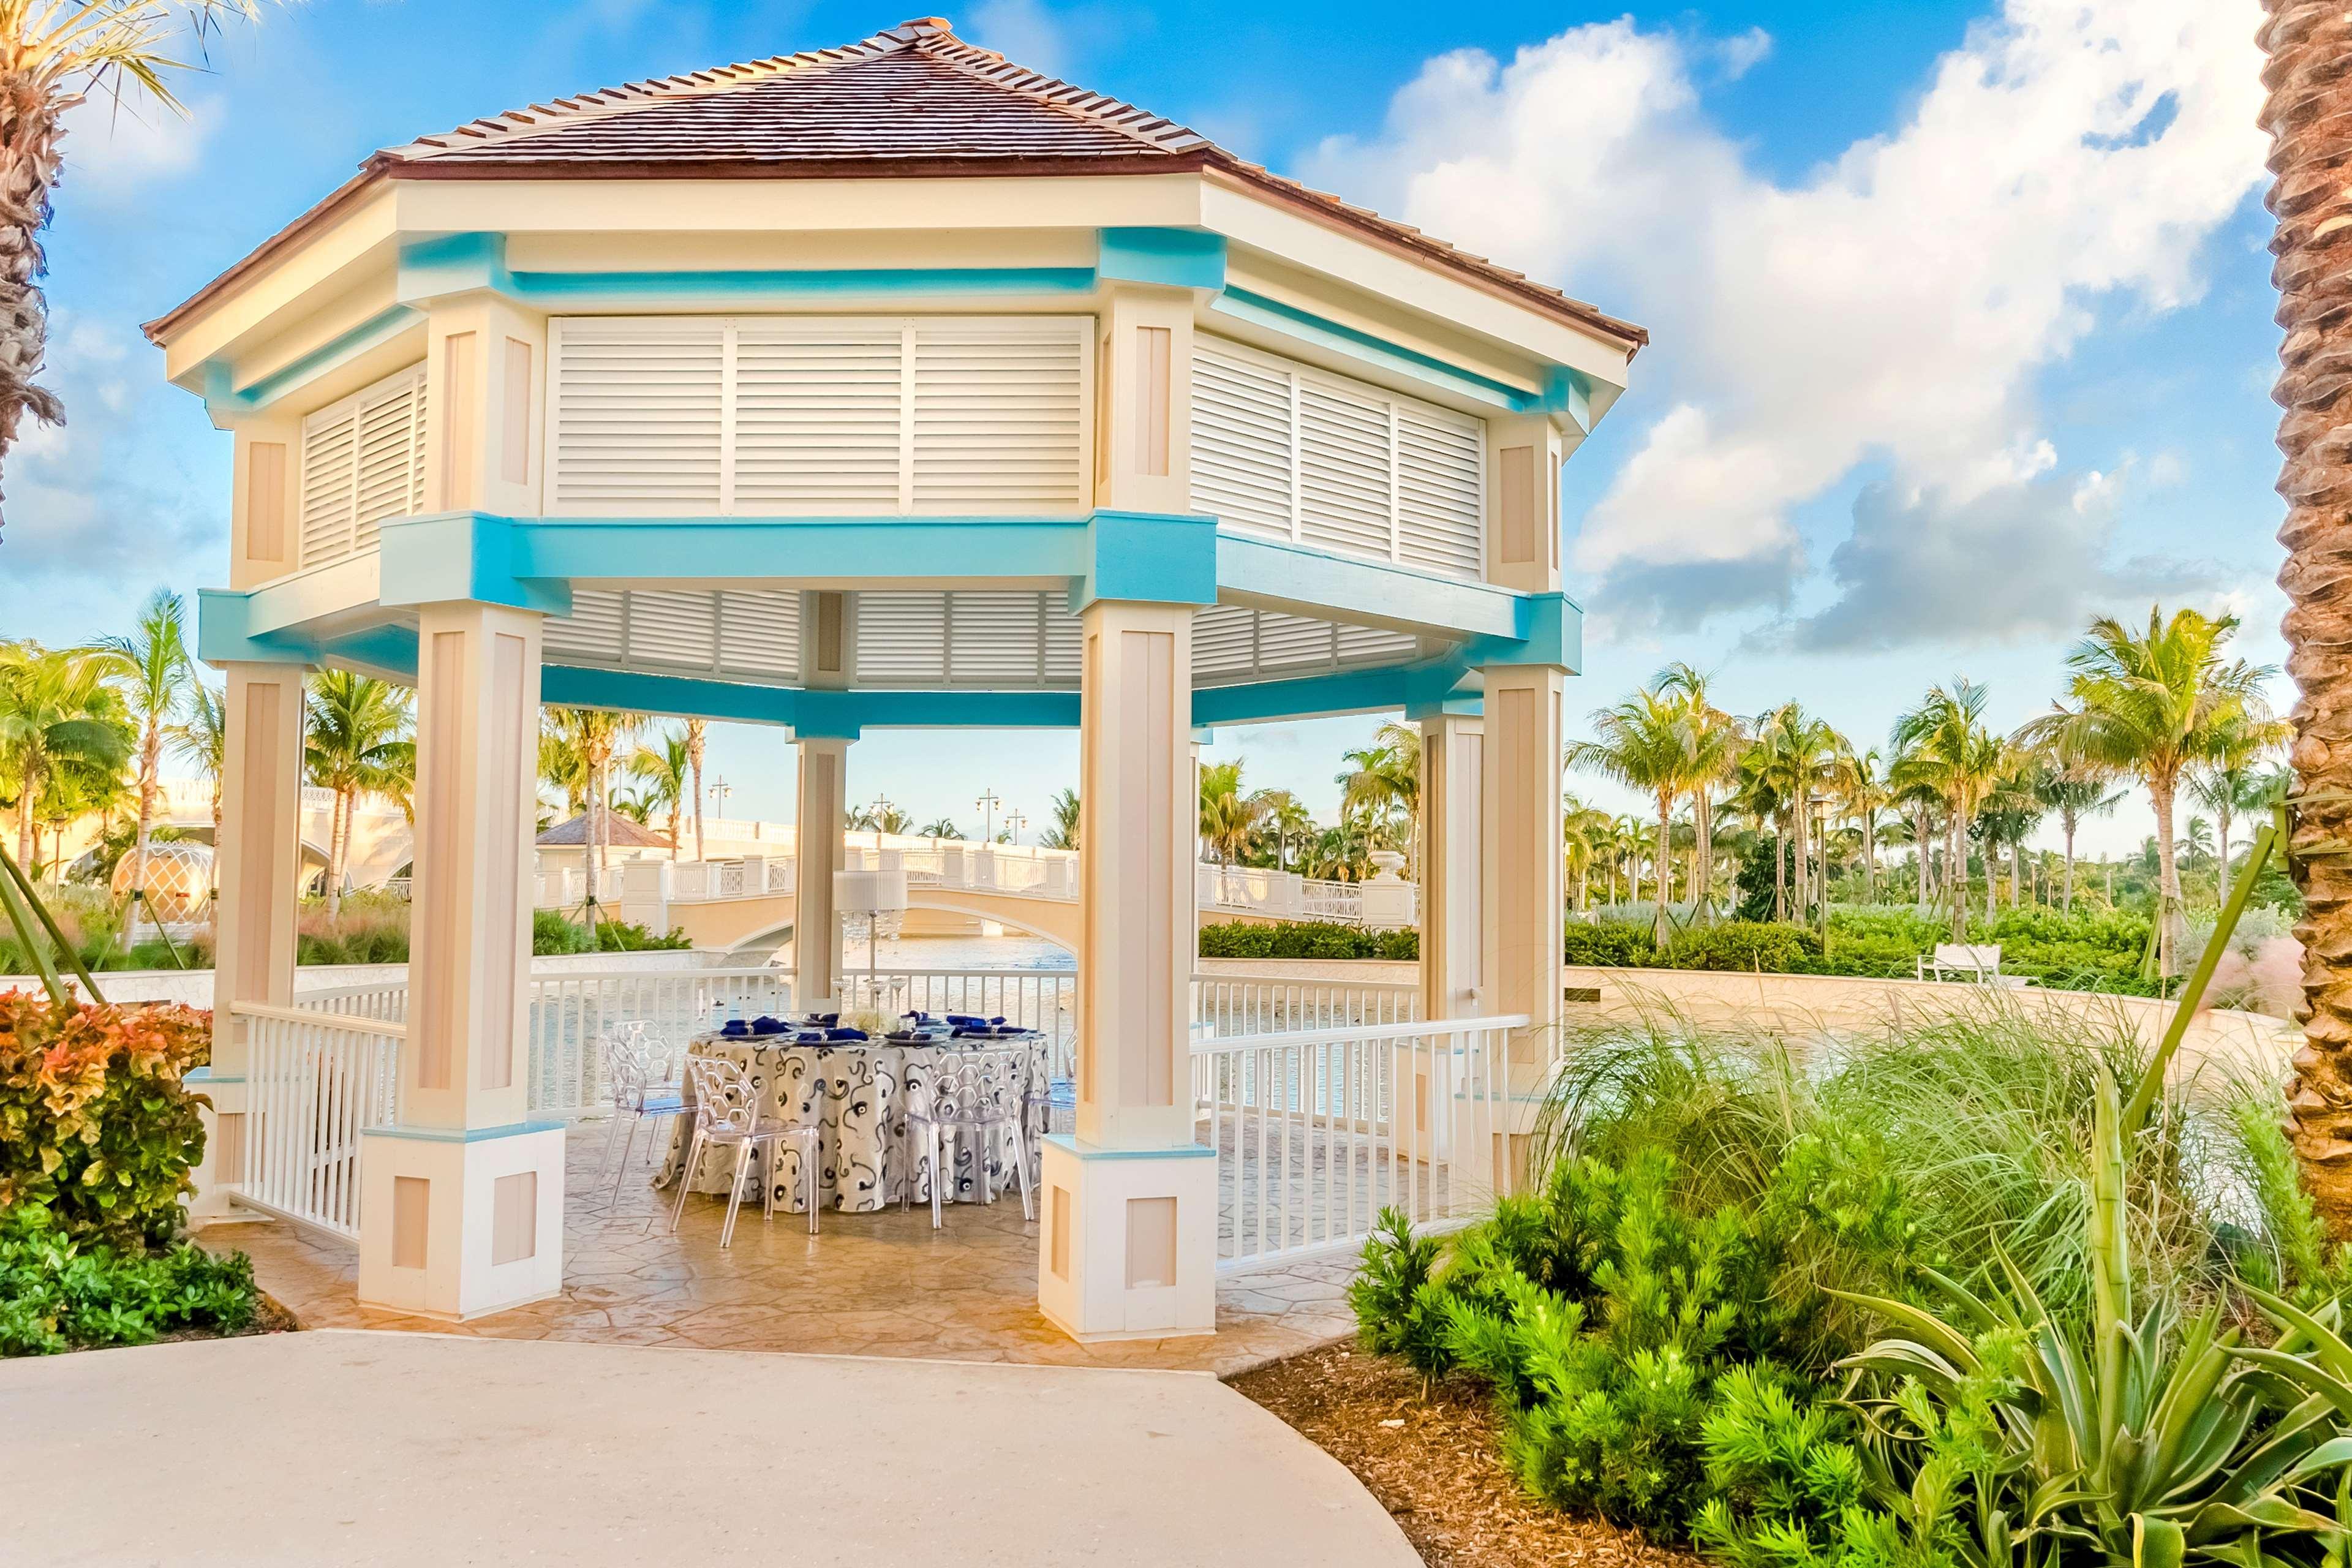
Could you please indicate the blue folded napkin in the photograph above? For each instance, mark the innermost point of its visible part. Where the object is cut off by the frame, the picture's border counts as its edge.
(964, 1021)
(764, 1025)
(821, 1020)
(809, 1037)
(736, 1027)
(845, 1034)
(919, 1017)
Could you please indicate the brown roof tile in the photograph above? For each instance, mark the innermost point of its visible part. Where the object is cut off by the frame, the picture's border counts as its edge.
(913, 100)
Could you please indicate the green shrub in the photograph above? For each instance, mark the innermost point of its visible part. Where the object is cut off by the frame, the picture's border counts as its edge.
(97, 1126)
(1745, 947)
(1609, 944)
(1307, 939)
(57, 1294)
(551, 933)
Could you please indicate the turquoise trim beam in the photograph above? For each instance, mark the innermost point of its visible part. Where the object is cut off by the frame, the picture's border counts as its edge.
(226, 632)
(1375, 352)
(225, 402)
(461, 263)
(462, 555)
(1069, 1144)
(1171, 258)
(1303, 697)
(1157, 557)
(803, 548)
(1278, 575)
(461, 1134)
(842, 715)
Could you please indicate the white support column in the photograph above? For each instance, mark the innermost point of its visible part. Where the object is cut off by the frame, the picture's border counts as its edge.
(1526, 907)
(462, 1201)
(1453, 869)
(1127, 1246)
(259, 861)
(816, 841)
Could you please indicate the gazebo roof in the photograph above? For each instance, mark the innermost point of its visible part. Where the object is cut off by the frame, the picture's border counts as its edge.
(913, 101)
(619, 832)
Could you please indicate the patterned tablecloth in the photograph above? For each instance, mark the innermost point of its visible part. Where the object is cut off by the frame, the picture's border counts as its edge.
(859, 1093)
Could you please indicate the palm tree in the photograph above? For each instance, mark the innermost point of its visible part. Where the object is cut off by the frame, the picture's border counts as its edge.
(666, 772)
(696, 740)
(1794, 757)
(56, 709)
(1063, 832)
(596, 736)
(201, 739)
(2156, 705)
(1227, 817)
(1381, 787)
(2234, 782)
(1949, 749)
(941, 827)
(1282, 813)
(1641, 742)
(356, 742)
(1867, 792)
(1712, 742)
(54, 57)
(151, 670)
(2073, 795)
(883, 816)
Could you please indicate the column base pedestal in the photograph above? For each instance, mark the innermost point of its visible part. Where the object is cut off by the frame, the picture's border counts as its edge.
(223, 1165)
(1127, 1249)
(460, 1224)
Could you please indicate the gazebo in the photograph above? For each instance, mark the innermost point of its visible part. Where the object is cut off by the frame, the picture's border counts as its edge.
(891, 384)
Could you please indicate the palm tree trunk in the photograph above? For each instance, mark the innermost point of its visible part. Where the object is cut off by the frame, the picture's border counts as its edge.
(694, 744)
(1870, 856)
(2221, 870)
(2171, 931)
(2309, 116)
(2066, 820)
(1956, 875)
(338, 835)
(1779, 878)
(151, 753)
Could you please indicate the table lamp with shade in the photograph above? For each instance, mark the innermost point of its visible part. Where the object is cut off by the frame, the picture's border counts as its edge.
(871, 902)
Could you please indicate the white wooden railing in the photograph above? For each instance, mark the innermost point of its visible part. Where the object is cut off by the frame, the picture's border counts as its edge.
(314, 1079)
(1295, 1083)
(1317, 1131)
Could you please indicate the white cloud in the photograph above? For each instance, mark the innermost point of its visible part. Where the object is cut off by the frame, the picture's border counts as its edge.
(1894, 306)
(1025, 33)
(1737, 56)
(113, 151)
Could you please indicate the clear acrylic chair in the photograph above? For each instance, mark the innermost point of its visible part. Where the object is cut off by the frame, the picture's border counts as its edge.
(979, 1092)
(727, 1112)
(634, 1078)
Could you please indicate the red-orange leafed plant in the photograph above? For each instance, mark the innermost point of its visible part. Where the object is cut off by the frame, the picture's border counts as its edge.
(96, 1124)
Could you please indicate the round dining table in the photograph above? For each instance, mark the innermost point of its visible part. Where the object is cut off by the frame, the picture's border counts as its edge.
(857, 1092)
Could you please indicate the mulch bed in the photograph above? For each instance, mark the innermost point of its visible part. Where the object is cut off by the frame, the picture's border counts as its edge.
(1436, 1463)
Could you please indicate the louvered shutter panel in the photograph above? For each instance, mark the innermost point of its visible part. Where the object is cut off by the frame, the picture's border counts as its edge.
(999, 415)
(1225, 641)
(760, 634)
(1241, 442)
(902, 639)
(995, 639)
(1065, 639)
(1441, 509)
(680, 630)
(391, 454)
(1293, 641)
(1343, 469)
(592, 631)
(1375, 645)
(329, 459)
(637, 415)
(817, 417)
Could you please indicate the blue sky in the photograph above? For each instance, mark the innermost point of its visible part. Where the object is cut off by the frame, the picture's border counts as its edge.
(1961, 311)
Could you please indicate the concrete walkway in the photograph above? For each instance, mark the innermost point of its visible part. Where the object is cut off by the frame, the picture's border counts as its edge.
(371, 1447)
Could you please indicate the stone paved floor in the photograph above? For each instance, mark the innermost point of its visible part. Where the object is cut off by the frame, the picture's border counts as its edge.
(875, 1284)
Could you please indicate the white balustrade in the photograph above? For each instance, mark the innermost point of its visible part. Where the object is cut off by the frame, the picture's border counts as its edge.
(1317, 1131)
(1225, 1005)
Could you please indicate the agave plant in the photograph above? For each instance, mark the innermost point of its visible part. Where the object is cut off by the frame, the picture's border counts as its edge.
(2005, 1438)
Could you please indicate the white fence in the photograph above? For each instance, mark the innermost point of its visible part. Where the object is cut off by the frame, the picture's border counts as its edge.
(314, 1079)
(1298, 1084)
(1317, 1131)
